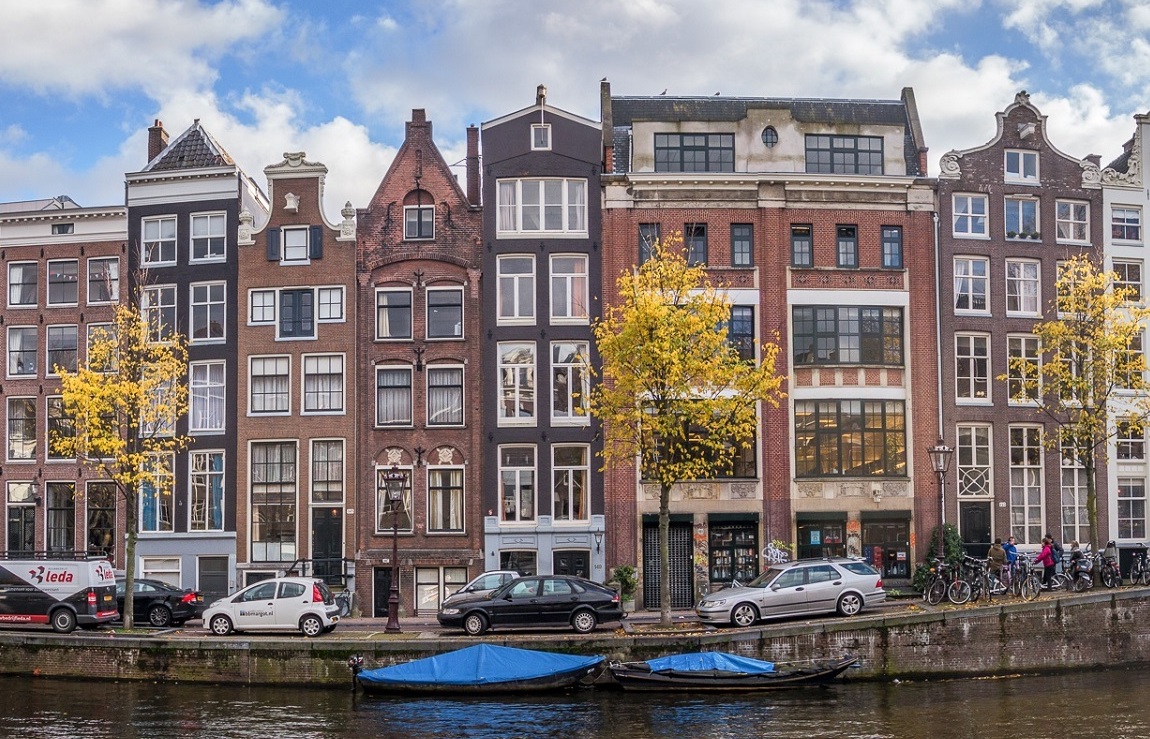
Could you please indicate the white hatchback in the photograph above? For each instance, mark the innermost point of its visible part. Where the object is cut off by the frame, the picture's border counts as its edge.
(282, 603)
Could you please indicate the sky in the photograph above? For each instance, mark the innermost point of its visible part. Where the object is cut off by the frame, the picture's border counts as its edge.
(82, 80)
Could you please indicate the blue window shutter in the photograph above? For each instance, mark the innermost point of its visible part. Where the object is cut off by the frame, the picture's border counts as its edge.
(315, 242)
(273, 244)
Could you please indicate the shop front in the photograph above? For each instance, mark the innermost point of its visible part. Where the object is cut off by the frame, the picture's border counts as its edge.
(886, 542)
(733, 549)
(821, 533)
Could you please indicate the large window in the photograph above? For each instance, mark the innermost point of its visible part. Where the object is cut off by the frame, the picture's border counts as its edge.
(1126, 223)
(209, 308)
(101, 519)
(973, 458)
(971, 284)
(516, 285)
(387, 515)
(159, 241)
(393, 396)
(21, 428)
(1129, 278)
(1072, 220)
(802, 249)
(569, 288)
(207, 491)
(972, 367)
(206, 391)
(850, 438)
(844, 154)
(695, 241)
(103, 280)
(63, 346)
(419, 222)
(542, 205)
(270, 385)
(570, 383)
(61, 516)
(847, 335)
(208, 236)
(445, 313)
(847, 244)
(892, 247)
(297, 314)
(22, 284)
(1022, 288)
(694, 152)
(741, 331)
(570, 474)
(1022, 369)
(273, 490)
(1075, 519)
(63, 282)
(969, 215)
(1026, 484)
(1132, 508)
(22, 351)
(323, 383)
(742, 245)
(517, 483)
(1022, 166)
(61, 427)
(158, 306)
(516, 383)
(157, 501)
(393, 314)
(444, 395)
(327, 471)
(445, 499)
(1021, 218)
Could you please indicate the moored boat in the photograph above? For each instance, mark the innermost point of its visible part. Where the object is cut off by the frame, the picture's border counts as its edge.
(483, 668)
(720, 671)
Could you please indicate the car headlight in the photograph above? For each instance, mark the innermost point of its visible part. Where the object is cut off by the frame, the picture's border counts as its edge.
(712, 603)
(449, 611)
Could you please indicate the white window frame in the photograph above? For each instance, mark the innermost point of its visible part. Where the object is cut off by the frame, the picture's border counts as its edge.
(217, 225)
(281, 363)
(540, 137)
(48, 347)
(260, 311)
(1131, 219)
(329, 304)
(113, 280)
(558, 470)
(511, 206)
(48, 282)
(1122, 268)
(1130, 440)
(975, 460)
(201, 307)
(434, 509)
(313, 477)
(1024, 202)
(435, 369)
(408, 234)
(30, 442)
(286, 498)
(208, 475)
(963, 270)
(295, 253)
(1028, 347)
(1074, 518)
(397, 369)
(168, 301)
(517, 384)
(1066, 219)
(966, 386)
(1023, 287)
(575, 373)
(975, 224)
(519, 511)
(31, 369)
(167, 526)
(159, 237)
(410, 314)
(1016, 171)
(164, 569)
(209, 390)
(35, 284)
(108, 329)
(1126, 503)
(517, 289)
(565, 303)
(1026, 483)
(316, 362)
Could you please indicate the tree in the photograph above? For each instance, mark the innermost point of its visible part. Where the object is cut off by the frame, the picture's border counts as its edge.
(1089, 379)
(674, 393)
(123, 404)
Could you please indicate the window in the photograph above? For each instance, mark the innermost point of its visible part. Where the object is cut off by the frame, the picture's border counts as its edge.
(802, 249)
(101, 520)
(63, 282)
(61, 516)
(538, 205)
(295, 245)
(516, 285)
(1021, 218)
(1131, 364)
(270, 385)
(852, 438)
(729, 460)
(1022, 288)
(21, 428)
(434, 584)
(22, 345)
(742, 245)
(1126, 224)
(393, 314)
(970, 215)
(158, 305)
(63, 344)
(516, 383)
(848, 246)
(63, 229)
(1022, 166)
(844, 154)
(209, 307)
(445, 499)
(419, 222)
(570, 383)
(385, 515)
(327, 471)
(103, 280)
(695, 239)
(1022, 378)
(1071, 221)
(208, 236)
(445, 313)
(157, 502)
(207, 491)
(262, 306)
(22, 284)
(1026, 484)
(393, 396)
(206, 386)
(323, 383)
(892, 247)
(1131, 440)
(540, 136)
(847, 335)
(1129, 279)
(974, 468)
(648, 237)
(971, 284)
(1075, 521)
(698, 152)
(101, 347)
(444, 396)
(741, 331)
(517, 483)
(972, 367)
(273, 501)
(159, 241)
(570, 474)
(1131, 508)
(569, 288)
(297, 314)
(61, 427)
(330, 301)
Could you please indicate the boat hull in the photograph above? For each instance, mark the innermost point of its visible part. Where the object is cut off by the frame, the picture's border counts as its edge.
(559, 681)
(638, 676)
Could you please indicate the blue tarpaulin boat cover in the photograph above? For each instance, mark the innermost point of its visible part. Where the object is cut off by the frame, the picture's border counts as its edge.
(482, 664)
(702, 661)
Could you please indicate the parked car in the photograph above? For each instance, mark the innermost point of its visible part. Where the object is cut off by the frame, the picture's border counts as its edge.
(798, 588)
(278, 604)
(159, 603)
(65, 593)
(488, 582)
(540, 600)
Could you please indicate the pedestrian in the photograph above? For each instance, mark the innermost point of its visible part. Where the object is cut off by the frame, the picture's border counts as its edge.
(1046, 559)
(1055, 551)
(996, 560)
(1011, 558)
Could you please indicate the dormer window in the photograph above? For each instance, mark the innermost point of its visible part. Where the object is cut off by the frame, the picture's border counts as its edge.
(1022, 166)
(541, 136)
(419, 222)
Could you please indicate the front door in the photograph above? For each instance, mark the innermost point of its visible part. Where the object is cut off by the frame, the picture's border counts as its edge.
(381, 588)
(575, 562)
(212, 577)
(327, 544)
(682, 548)
(974, 526)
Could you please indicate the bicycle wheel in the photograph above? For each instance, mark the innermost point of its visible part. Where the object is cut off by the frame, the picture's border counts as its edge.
(1030, 588)
(936, 592)
(1110, 578)
(1059, 581)
(1081, 583)
(958, 592)
(1143, 574)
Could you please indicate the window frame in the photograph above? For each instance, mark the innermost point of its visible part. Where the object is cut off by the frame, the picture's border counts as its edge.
(978, 224)
(522, 392)
(843, 155)
(323, 304)
(340, 393)
(283, 395)
(209, 391)
(1129, 228)
(649, 234)
(828, 345)
(161, 244)
(28, 437)
(24, 284)
(802, 245)
(321, 466)
(972, 293)
(717, 148)
(156, 315)
(1067, 207)
(742, 245)
(1019, 174)
(847, 246)
(453, 392)
(406, 401)
(301, 321)
(892, 247)
(439, 485)
(459, 333)
(266, 311)
(526, 477)
(577, 380)
(210, 478)
(1028, 347)
(212, 238)
(695, 244)
(1021, 226)
(974, 455)
(279, 494)
(289, 252)
(819, 426)
(510, 207)
(540, 137)
(516, 290)
(420, 222)
(1015, 285)
(569, 289)
(62, 284)
(573, 471)
(1027, 488)
(381, 291)
(201, 310)
(113, 280)
(1123, 268)
(32, 369)
(56, 418)
(967, 383)
(48, 350)
(740, 339)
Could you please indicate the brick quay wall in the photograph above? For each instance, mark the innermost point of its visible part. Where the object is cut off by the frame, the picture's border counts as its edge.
(1096, 629)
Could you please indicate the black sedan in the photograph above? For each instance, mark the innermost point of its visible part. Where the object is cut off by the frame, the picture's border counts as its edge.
(157, 603)
(541, 600)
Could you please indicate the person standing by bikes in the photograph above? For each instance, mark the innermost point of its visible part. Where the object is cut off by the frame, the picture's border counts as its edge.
(1011, 559)
(1046, 559)
(996, 560)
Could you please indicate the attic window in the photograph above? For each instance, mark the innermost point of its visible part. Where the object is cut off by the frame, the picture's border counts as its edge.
(540, 136)
(59, 229)
(770, 137)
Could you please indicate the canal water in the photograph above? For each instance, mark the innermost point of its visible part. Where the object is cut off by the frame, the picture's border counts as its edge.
(1108, 704)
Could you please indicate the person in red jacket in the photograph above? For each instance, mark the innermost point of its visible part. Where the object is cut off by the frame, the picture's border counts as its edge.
(1046, 559)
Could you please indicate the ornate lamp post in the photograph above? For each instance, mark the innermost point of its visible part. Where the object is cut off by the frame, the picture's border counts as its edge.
(940, 455)
(394, 480)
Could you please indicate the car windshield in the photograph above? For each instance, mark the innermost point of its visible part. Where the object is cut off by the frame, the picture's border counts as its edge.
(765, 579)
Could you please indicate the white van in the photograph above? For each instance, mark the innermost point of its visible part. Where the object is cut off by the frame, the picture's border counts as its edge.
(62, 592)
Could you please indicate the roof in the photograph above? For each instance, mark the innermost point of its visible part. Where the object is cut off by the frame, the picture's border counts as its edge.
(193, 149)
(60, 202)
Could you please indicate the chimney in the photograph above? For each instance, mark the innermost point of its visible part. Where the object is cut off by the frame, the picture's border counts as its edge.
(418, 120)
(608, 126)
(541, 95)
(473, 165)
(1095, 159)
(157, 139)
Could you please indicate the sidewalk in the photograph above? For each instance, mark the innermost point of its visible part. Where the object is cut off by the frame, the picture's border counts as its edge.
(428, 622)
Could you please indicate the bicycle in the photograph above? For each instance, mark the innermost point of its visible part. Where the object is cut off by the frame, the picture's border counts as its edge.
(1139, 570)
(935, 590)
(1028, 579)
(1109, 572)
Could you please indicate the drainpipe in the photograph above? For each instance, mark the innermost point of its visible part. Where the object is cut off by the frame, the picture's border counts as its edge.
(938, 321)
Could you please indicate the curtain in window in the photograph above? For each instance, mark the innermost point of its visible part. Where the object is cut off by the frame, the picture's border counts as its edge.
(393, 396)
(22, 284)
(576, 205)
(445, 395)
(507, 220)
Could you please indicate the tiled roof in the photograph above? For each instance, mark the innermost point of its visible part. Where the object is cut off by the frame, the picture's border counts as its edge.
(194, 149)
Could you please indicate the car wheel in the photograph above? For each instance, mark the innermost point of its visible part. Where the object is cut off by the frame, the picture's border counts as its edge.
(744, 614)
(311, 626)
(63, 621)
(159, 615)
(583, 621)
(850, 604)
(475, 624)
(221, 625)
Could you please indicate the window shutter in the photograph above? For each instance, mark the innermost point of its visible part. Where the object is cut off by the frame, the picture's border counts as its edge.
(315, 242)
(273, 244)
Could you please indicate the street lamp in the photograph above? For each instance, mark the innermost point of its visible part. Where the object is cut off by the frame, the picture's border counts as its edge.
(940, 455)
(394, 479)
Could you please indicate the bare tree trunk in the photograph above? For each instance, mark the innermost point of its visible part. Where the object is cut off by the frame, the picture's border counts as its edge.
(1092, 506)
(664, 554)
(131, 525)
